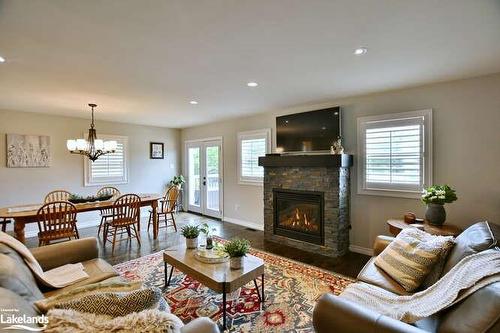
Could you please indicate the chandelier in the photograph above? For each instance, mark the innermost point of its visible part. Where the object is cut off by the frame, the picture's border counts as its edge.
(93, 148)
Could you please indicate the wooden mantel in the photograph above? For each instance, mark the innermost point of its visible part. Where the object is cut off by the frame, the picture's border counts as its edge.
(324, 160)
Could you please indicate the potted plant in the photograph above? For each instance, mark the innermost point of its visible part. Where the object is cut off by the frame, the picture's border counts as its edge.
(191, 232)
(205, 228)
(435, 197)
(236, 249)
(178, 181)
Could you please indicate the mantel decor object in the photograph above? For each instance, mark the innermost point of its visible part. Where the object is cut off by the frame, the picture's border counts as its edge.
(435, 197)
(93, 148)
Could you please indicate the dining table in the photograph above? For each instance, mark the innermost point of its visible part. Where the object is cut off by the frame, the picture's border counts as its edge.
(25, 214)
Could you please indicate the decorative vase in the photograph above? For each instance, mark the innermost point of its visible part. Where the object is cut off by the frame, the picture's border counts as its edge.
(192, 243)
(210, 243)
(236, 262)
(435, 214)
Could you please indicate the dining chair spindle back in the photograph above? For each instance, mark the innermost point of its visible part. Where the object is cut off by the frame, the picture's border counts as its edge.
(56, 220)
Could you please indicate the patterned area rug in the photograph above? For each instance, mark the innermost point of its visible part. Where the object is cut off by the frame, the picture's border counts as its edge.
(292, 289)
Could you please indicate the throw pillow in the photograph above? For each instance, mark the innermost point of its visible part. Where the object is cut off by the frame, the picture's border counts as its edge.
(117, 304)
(151, 321)
(110, 285)
(437, 269)
(409, 258)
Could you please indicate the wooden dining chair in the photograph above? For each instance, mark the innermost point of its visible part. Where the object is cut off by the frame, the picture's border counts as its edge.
(4, 223)
(57, 195)
(56, 220)
(167, 208)
(125, 220)
(107, 213)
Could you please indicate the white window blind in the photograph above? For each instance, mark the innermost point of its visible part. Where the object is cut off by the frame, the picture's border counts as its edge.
(252, 145)
(251, 149)
(110, 168)
(395, 152)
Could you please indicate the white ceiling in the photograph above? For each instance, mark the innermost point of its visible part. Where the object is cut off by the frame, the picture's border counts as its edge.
(143, 61)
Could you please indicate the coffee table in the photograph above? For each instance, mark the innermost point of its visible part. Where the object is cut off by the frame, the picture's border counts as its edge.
(218, 277)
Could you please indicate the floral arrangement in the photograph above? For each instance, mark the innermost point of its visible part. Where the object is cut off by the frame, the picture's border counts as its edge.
(439, 194)
(237, 247)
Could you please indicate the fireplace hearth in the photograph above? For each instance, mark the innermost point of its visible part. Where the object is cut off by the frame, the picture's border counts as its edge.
(299, 215)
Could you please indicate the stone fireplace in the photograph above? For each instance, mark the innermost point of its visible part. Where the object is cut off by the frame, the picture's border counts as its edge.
(306, 202)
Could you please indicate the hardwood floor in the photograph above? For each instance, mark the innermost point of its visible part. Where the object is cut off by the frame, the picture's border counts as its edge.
(349, 264)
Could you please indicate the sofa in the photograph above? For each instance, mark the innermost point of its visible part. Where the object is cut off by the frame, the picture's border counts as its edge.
(19, 288)
(480, 312)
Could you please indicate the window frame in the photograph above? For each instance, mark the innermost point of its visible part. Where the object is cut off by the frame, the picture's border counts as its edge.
(249, 135)
(395, 190)
(89, 181)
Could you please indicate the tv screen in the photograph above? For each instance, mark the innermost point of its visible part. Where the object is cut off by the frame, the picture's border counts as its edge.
(308, 131)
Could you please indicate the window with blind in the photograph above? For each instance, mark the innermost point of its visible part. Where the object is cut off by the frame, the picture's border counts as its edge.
(395, 153)
(110, 168)
(252, 145)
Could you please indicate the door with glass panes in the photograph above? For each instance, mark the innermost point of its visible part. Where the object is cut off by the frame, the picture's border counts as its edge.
(204, 177)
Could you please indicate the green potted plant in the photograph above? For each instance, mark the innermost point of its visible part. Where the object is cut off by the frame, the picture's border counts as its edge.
(178, 181)
(191, 232)
(435, 197)
(205, 228)
(236, 249)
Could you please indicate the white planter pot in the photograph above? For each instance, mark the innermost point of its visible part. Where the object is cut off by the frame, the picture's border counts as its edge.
(236, 262)
(192, 243)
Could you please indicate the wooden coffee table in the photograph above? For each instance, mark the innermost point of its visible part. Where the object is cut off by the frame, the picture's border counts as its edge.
(218, 277)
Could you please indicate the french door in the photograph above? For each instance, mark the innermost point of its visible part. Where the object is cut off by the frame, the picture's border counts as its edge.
(204, 177)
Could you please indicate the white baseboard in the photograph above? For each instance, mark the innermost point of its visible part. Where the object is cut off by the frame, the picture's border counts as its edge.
(247, 224)
(359, 249)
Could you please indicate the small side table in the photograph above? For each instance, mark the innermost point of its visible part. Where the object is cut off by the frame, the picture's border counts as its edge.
(396, 225)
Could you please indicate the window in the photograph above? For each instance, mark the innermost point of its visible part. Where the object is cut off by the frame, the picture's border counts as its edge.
(110, 168)
(395, 154)
(251, 145)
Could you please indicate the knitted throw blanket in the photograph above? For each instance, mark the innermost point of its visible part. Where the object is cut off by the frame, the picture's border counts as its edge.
(470, 274)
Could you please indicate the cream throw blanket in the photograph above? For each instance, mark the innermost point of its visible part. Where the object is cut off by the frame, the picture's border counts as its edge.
(56, 278)
(470, 274)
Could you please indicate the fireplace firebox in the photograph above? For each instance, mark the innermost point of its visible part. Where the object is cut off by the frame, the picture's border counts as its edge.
(299, 215)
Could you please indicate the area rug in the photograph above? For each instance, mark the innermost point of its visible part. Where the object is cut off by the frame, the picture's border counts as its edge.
(292, 289)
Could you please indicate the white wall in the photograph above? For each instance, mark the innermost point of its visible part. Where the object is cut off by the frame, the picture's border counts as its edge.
(29, 185)
(466, 153)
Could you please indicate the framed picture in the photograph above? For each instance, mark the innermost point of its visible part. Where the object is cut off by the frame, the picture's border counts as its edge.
(28, 151)
(156, 150)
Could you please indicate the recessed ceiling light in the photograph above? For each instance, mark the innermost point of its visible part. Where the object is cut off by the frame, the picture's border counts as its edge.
(252, 84)
(360, 51)
(2, 59)
(193, 102)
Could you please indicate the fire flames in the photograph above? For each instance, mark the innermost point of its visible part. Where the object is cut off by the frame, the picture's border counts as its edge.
(299, 220)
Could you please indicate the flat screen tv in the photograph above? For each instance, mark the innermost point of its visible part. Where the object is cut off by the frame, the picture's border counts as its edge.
(312, 131)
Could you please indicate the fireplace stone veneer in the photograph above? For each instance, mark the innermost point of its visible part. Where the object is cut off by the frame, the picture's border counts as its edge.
(304, 174)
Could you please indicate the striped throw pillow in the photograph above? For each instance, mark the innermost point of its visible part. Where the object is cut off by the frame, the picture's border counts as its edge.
(409, 258)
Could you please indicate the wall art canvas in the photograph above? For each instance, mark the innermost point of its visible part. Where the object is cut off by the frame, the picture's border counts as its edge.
(28, 151)
(156, 150)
